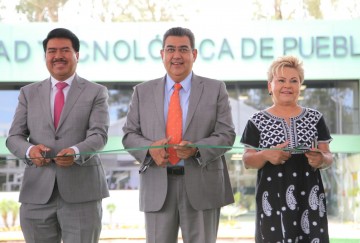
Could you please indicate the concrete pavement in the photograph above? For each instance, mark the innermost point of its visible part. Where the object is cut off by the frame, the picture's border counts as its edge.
(242, 232)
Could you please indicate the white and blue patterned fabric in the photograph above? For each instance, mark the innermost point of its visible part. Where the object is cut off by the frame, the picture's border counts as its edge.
(290, 198)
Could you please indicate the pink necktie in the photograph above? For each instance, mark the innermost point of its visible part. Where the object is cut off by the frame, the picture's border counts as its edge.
(174, 123)
(59, 102)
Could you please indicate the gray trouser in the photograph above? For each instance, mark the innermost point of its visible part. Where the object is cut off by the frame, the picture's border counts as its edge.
(56, 220)
(196, 226)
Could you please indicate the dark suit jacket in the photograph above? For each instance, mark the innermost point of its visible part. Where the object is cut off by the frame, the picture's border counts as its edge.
(209, 122)
(84, 123)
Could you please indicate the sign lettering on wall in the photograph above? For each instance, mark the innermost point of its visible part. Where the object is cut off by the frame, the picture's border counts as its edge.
(113, 54)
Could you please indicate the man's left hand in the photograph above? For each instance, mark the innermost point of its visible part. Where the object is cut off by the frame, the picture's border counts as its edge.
(65, 157)
(183, 151)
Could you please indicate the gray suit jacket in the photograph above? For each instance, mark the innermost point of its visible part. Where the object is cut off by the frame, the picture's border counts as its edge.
(84, 123)
(208, 122)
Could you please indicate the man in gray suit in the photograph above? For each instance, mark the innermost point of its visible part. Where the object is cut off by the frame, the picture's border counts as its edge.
(63, 183)
(190, 193)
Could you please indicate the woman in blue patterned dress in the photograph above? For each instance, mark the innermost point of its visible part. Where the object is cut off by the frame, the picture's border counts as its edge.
(290, 197)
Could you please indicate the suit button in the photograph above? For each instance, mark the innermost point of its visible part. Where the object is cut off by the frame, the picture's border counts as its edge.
(56, 138)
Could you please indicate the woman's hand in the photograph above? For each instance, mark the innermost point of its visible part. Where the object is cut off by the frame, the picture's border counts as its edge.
(320, 157)
(276, 155)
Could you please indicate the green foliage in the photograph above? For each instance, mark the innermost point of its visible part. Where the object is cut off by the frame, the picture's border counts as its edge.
(40, 10)
(313, 7)
(111, 207)
(353, 192)
(171, 11)
(8, 206)
(237, 197)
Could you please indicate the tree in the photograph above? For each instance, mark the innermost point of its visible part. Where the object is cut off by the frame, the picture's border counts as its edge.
(2, 8)
(40, 10)
(314, 9)
(105, 11)
(4, 210)
(127, 10)
(305, 9)
(9, 206)
(14, 209)
(145, 11)
(111, 207)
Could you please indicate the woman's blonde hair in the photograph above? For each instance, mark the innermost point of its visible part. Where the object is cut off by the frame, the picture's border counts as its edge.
(286, 61)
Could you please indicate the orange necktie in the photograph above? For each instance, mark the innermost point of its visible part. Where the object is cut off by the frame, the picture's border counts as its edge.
(174, 123)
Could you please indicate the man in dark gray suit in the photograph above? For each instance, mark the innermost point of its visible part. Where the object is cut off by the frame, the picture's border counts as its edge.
(63, 182)
(190, 193)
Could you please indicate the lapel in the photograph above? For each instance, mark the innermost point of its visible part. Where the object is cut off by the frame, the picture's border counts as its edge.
(76, 88)
(158, 89)
(197, 87)
(44, 90)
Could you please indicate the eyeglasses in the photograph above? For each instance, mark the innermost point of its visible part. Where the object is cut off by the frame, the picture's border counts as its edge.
(183, 49)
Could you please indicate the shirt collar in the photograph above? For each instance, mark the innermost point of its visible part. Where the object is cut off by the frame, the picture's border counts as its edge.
(68, 81)
(186, 83)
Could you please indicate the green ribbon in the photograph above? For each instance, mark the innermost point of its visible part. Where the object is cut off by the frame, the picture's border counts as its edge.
(298, 149)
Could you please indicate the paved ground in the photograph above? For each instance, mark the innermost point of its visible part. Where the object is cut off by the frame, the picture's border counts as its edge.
(142, 241)
(339, 233)
(136, 235)
(180, 241)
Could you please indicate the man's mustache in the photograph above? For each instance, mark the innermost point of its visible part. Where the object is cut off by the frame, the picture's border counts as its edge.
(58, 60)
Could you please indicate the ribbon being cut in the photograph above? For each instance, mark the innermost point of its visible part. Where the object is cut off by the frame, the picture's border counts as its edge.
(298, 149)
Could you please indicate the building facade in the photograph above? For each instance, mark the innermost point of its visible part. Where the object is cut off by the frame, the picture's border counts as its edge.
(123, 55)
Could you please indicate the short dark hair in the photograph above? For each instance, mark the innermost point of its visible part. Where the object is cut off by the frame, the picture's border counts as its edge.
(62, 33)
(179, 31)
